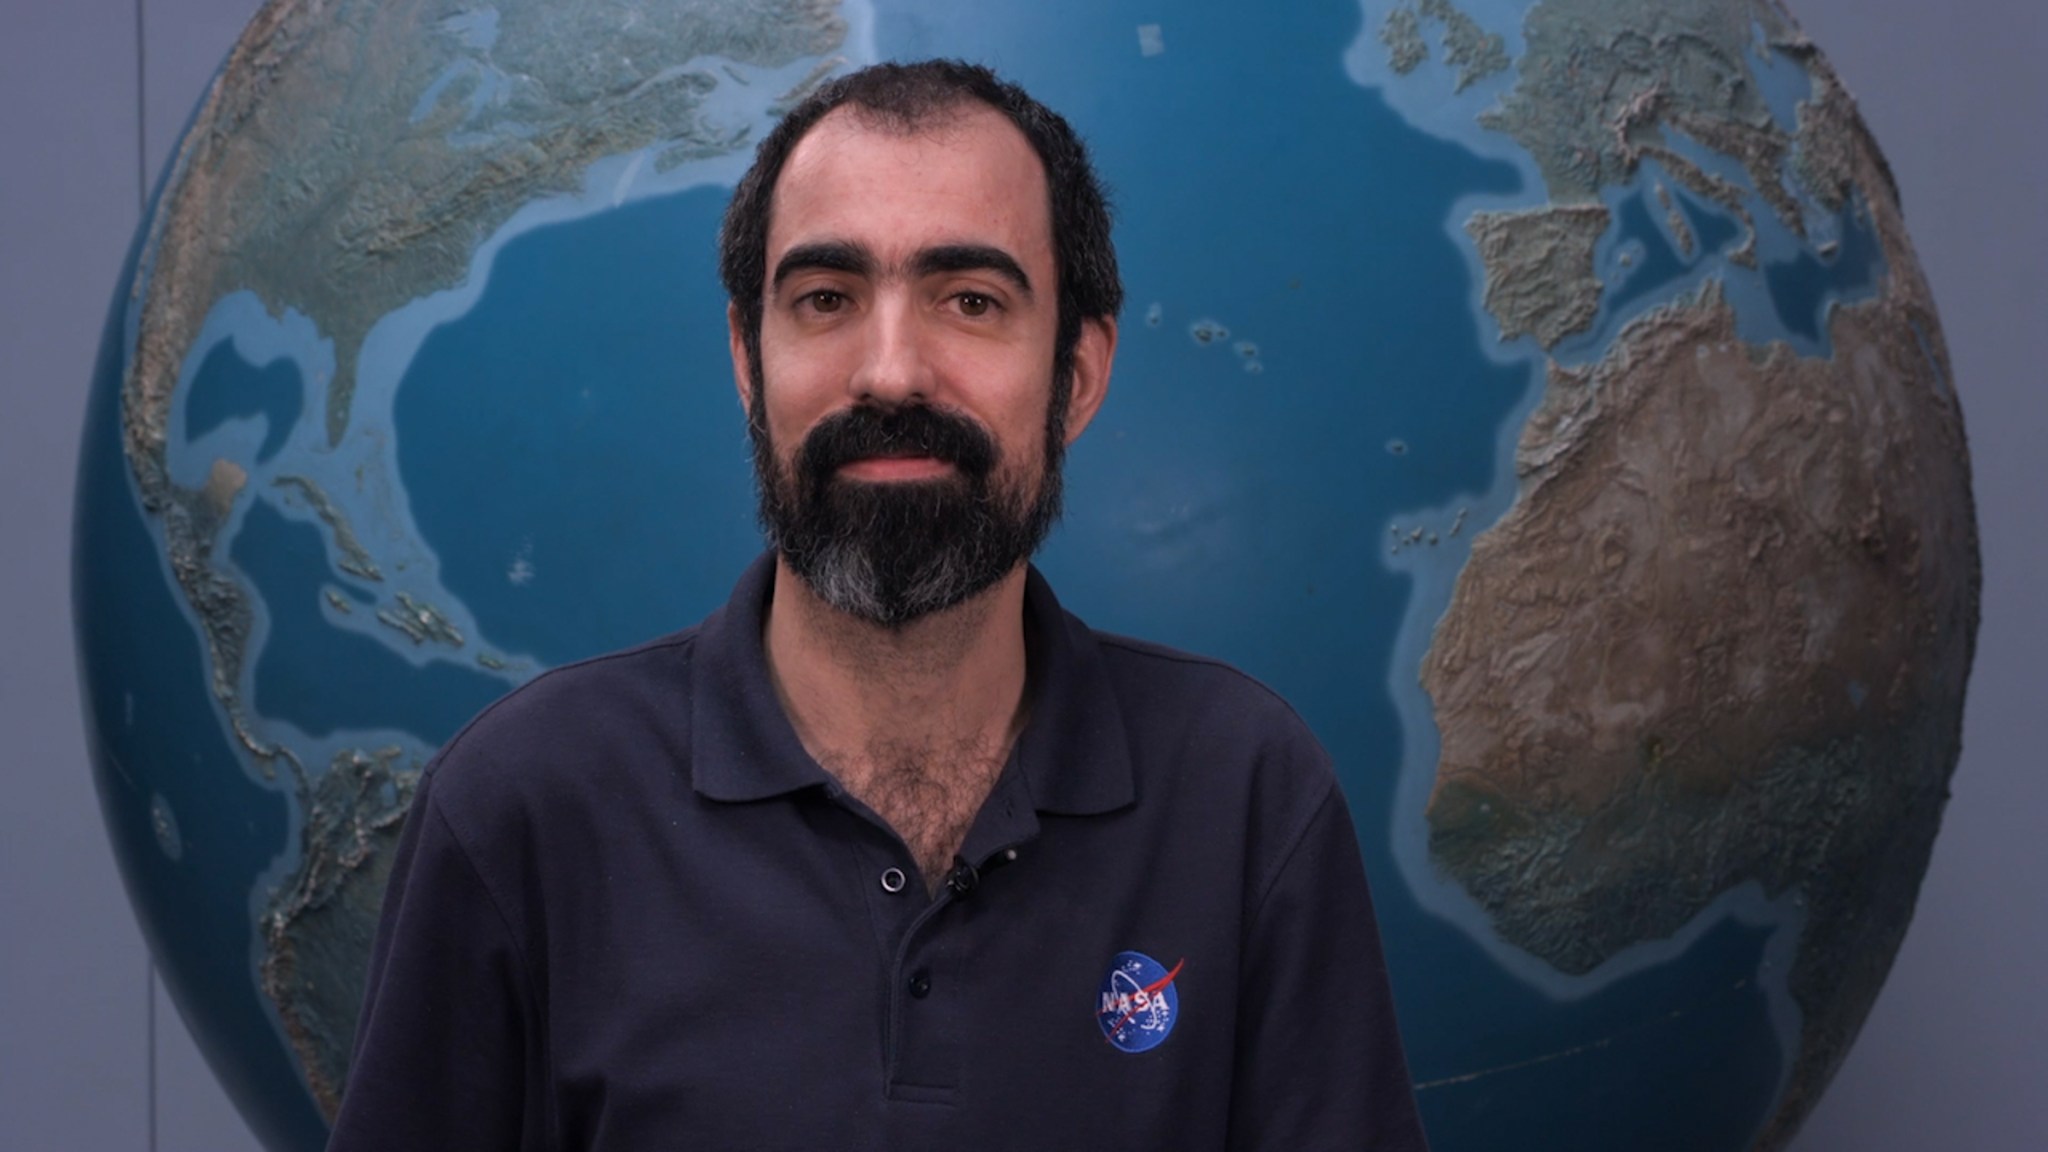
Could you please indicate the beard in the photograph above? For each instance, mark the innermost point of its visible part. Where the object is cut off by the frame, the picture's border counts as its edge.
(891, 553)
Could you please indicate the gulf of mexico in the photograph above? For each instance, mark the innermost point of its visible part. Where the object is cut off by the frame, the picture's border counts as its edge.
(572, 446)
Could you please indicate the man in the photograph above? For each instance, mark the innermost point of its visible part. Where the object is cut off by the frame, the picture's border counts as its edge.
(889, 852)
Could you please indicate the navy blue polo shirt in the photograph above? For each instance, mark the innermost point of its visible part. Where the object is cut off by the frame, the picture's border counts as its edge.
(630, 912)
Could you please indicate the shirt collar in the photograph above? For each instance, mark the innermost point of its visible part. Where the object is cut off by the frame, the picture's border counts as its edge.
(742, 746)
(1073, 755)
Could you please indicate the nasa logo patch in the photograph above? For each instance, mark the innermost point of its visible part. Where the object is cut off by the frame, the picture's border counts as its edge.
(1139, 1004)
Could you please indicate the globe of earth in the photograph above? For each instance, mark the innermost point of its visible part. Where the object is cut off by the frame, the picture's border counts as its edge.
(1542, 395)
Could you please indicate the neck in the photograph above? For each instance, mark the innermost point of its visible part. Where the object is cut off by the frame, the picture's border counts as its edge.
(953, 678)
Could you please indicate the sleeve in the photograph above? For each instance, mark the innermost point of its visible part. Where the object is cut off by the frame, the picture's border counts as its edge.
(1319, 1061)
(448, 1052)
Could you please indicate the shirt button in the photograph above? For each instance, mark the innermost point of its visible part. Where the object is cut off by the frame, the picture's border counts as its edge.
(920, 983)
(893, 880)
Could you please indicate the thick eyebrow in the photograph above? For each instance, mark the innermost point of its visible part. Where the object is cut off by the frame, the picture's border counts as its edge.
(858, 260)
(971, 258)
(832, 256)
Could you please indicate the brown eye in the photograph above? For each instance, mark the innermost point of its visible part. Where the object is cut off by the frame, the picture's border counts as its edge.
(975, 304)
(824, 301)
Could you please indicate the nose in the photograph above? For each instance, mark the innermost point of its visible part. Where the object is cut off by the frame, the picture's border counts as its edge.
(895, 366)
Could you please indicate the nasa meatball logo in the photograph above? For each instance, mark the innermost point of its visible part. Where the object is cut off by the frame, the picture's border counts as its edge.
(1139, 1004)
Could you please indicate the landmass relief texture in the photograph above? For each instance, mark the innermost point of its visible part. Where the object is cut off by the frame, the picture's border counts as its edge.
(339, 169)
(1722, 635)
(1539, 269)
(1473, 51)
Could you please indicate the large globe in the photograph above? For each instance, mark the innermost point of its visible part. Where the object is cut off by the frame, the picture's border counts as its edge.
(1541, 394)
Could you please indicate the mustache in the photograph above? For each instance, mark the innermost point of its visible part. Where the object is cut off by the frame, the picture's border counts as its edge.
(865, 431)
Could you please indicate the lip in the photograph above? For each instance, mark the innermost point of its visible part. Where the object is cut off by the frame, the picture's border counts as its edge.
(896, 468)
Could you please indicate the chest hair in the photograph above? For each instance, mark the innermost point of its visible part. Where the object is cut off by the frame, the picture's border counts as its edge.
(929, 793)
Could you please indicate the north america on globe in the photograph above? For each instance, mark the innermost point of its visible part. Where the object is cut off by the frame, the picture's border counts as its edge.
(1542, 394)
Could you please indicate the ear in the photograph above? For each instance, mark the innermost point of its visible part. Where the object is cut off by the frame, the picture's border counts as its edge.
(742, 372)
(1093, 353)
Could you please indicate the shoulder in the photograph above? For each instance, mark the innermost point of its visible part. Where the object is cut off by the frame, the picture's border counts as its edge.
(550, 738)
(577, 702)
(1156, 684)
(1210, 739)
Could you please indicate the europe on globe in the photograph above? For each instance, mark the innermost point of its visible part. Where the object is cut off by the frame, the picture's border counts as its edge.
(1543, 395)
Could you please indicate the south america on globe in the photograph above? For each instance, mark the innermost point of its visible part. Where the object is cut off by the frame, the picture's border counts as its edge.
(1542, 395)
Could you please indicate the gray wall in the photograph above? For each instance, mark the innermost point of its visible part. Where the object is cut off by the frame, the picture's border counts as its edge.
(93, 1057)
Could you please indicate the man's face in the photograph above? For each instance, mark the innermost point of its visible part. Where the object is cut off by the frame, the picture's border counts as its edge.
(906, 435)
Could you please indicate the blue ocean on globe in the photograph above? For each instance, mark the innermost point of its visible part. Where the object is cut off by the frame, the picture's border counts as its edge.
(377, 436)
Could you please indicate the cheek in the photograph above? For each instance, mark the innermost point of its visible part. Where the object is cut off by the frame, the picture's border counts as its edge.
(1023, 437)
(791, 398)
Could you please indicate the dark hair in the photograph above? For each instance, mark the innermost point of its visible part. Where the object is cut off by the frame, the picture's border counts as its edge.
(908, 98)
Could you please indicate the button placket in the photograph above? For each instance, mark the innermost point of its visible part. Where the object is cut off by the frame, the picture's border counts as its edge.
(923, 1053)
(882, 883)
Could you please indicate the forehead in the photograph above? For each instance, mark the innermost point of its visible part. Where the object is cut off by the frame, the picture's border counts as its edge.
(969, 176)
